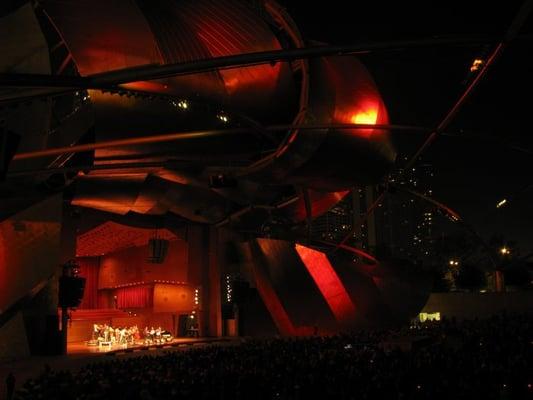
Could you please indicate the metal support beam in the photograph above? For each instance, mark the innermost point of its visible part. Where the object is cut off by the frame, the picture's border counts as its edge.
(170, 137)
(157, 71)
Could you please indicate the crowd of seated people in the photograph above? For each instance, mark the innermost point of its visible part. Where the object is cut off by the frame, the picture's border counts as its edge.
(474, 359)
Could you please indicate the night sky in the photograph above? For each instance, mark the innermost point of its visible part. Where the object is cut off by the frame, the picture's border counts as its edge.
(476, 170)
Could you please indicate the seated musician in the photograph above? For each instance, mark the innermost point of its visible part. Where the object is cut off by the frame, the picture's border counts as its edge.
(136, 334)
(166, 336)
(158, 335)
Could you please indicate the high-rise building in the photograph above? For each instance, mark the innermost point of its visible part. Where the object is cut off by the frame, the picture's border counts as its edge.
(335, 224)
(407, 223)
(402, 225)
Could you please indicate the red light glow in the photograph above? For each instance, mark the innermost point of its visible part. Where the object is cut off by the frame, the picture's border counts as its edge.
(328, 283)
(369, 116)
(357, 98)
(367, 111)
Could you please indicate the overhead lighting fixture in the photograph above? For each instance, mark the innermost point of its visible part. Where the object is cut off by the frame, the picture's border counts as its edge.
(501, 203)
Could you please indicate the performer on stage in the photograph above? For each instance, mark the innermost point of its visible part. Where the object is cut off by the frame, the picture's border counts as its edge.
(96, 332)
(109, 335)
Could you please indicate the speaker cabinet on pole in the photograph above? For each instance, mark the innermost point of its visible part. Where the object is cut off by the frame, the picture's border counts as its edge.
(157, 250)
(71, 291)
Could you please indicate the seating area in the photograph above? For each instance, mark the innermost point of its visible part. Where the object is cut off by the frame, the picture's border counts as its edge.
(473, 359)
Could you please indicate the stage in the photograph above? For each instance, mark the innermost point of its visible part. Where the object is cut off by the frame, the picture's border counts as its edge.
(79, 348)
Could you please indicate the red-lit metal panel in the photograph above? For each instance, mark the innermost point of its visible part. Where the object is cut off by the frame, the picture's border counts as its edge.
(328, 282)
(272, 302)
(358, 100)
(320, 203)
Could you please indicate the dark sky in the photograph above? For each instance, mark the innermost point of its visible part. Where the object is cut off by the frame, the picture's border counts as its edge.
(419, 86)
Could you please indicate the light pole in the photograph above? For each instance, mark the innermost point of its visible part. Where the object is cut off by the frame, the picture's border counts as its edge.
(499, 279)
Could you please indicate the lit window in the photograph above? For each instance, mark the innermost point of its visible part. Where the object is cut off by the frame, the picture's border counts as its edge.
(223, 117)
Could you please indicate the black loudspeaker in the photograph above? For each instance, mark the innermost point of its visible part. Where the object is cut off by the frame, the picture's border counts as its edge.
(71, 291)
(157, 250)
(240, 291)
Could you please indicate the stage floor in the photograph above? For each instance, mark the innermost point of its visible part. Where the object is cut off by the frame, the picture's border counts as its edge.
(78, 348)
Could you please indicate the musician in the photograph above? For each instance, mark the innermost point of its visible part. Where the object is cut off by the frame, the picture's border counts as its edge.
(126, 335)
(122, 336)
(136, 334)
(106, 333)
(96, 332)
(147, 335)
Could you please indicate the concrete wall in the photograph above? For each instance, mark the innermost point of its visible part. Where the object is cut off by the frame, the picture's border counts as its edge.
(204, 265)
(29, 249)
(29, 257)
(13, 341)
(471, 305)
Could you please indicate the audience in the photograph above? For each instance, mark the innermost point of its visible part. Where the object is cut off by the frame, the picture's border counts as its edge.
(473, 359)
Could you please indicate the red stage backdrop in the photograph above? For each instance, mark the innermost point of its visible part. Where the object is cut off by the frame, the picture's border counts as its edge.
(135, 296)
(89, 267)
